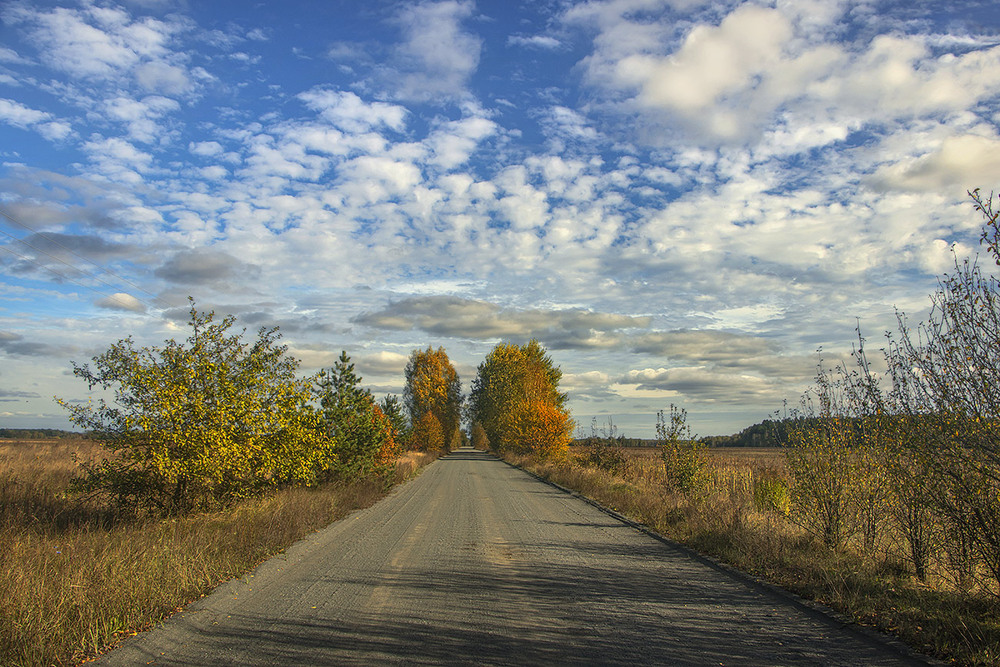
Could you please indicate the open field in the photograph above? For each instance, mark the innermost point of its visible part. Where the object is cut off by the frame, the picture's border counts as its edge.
(74, 577)
(740, 516)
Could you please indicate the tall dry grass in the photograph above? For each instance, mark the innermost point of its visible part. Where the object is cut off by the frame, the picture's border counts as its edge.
(741, 518)
(74, 578)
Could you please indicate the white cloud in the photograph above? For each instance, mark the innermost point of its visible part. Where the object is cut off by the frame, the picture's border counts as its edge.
(744, 318)
(121, 301)
(370, 179)
(21, 116)
(94, 42)
(214, 173)
(141, 116)
(711, 63)
(11, 57)
(106, 43)
(538, 41)
(55, 130)
(727, 82)
(206, 148)
(268, 158)
(18, 115)
(453, 143)
(118, 160)
(959, 163)
(163, 78)
(350, 113)
(437, 57)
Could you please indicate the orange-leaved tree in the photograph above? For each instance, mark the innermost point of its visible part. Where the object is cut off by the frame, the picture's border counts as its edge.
(433, 387)
(516, 399)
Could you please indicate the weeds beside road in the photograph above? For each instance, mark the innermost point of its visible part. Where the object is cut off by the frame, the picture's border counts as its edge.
(737, 522)
(74, 577)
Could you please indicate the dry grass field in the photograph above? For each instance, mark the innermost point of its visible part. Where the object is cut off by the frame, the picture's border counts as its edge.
(74, 577)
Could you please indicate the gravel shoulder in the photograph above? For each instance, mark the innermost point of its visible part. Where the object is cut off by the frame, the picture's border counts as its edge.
(477, 562)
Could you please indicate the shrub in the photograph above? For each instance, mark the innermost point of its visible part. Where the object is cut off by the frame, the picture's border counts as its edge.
(198, 423)
(770, 493)
(681, 452)
(604, 456)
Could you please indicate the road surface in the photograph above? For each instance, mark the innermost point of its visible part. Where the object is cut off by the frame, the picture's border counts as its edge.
(476, 562)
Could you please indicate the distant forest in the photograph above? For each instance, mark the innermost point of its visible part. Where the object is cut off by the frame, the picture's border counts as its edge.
(768, 433)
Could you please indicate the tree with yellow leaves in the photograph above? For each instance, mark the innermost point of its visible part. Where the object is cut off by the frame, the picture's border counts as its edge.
(433, 387)
(516, 400)
(198, 423)
(427, 434)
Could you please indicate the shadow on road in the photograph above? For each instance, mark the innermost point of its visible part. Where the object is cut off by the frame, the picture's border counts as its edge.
(571, 615)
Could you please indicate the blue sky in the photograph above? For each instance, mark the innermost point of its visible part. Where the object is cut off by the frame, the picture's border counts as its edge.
(682, 200)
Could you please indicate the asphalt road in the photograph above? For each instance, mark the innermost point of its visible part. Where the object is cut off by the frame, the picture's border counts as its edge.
(475, 562)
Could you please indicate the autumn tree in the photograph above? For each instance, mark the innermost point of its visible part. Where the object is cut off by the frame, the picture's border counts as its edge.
(433, 387)
(197, 423)
(427, 433)
(478, 437)
(516, 400)
(360, 436)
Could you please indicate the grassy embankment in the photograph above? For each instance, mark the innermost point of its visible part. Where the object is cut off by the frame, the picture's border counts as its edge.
(74, 578)
(738, 519)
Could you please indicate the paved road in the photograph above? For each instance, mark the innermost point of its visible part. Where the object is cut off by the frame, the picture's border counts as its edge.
(475, 562)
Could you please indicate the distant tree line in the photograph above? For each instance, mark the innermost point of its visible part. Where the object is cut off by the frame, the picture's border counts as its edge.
(36, 433)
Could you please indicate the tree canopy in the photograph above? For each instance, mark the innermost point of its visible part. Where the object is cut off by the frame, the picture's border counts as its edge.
(433, 388)
(199, 423)
(516, 400)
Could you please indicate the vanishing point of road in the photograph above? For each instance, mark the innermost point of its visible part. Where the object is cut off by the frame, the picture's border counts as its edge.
(477, 562)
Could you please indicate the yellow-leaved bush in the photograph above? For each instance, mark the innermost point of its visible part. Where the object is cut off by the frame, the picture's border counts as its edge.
(200, 423)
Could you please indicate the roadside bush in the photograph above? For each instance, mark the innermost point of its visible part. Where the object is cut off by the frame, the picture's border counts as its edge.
(604, 456)
(681, 452)
(820, 463)
(199, 423)
(770, 493)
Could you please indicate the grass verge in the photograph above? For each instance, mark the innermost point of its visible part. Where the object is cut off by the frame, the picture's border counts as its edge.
(74, 580)
(877, 591)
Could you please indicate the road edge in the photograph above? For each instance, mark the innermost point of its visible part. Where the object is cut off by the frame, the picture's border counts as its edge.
(871, 634)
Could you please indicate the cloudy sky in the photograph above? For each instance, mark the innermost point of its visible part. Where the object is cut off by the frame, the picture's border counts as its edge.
(681, 199)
